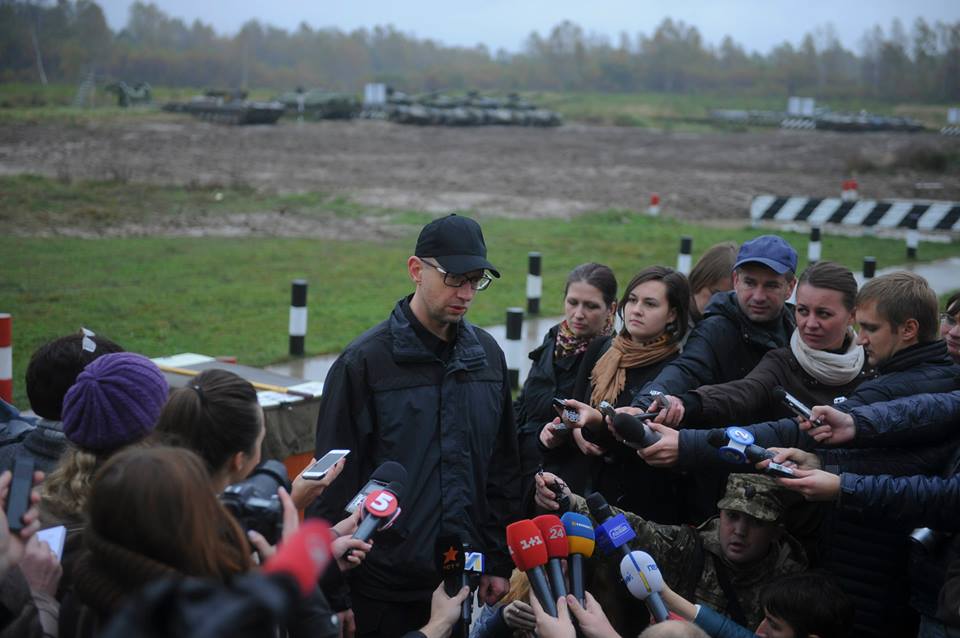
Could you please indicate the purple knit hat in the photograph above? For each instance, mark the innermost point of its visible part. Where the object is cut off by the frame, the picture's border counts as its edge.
(116, 400)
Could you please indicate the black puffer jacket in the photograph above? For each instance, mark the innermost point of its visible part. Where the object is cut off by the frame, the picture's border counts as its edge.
(723, 347)
(390, 398)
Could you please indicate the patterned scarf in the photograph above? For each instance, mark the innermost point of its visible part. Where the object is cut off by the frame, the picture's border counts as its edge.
(569, 344)
(610, 373)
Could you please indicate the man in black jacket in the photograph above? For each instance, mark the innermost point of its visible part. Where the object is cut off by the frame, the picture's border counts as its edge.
(738, 328)
(426, 389)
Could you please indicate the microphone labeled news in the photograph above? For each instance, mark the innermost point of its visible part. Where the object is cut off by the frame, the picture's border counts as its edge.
(645, 582)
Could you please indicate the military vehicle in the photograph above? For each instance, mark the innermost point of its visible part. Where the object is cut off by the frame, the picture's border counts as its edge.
(127, 95)
(469, 109)
(228, 107)
(317, 104)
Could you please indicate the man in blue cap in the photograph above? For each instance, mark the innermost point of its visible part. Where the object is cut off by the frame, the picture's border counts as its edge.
(430, 391)
(738, 327)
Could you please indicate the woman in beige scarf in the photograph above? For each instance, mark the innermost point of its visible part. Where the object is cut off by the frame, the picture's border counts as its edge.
(655, 312)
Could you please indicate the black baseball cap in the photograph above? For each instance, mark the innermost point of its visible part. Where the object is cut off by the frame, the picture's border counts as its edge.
(456, 242)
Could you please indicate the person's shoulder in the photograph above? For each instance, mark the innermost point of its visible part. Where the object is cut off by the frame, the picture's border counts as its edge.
(371, 340)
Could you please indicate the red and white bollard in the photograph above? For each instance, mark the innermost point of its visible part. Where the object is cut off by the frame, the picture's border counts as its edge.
(849, 190)
(6, 357)
(654, 208)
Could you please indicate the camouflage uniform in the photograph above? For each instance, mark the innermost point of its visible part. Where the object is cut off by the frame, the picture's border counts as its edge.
(679, 550)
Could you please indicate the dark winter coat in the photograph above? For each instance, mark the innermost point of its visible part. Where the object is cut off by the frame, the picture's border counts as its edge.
(46, 443)
(751, 399)
(726, 345)
(548, 378)
(389, 397)
(620, 475)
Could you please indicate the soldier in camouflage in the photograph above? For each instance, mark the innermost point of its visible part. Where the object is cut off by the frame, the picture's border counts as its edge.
(727, 561)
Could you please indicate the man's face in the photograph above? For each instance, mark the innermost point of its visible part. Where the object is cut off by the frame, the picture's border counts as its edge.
(879, 339)
(761, 292)
(743, 538)
(444, 305)
(773, 627)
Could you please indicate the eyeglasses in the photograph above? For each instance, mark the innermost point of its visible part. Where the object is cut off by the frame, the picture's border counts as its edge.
(948, 319)
(456, 281)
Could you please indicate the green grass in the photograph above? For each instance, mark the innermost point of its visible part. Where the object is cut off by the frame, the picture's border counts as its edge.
(160, 296)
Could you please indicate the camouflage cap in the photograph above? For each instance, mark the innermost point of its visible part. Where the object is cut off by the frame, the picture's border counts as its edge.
(753, 494)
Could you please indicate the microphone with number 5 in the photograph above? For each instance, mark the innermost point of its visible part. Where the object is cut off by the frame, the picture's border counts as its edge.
(529, 554)
(380, 509)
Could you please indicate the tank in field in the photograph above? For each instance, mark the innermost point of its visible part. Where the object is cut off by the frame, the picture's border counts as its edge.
(317, 104)
(228, 107)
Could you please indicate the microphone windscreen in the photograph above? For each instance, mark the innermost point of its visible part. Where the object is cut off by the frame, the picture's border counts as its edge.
(449, 556)
(526, 545)
(554, 535)
(717, 438)
(580, 534)
(304, 556)
(779, 393)
(389, 472)
(599, 508)
(396, 487)
(641, 574)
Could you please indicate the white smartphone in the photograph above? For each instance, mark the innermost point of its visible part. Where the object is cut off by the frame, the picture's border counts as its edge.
(319, 469)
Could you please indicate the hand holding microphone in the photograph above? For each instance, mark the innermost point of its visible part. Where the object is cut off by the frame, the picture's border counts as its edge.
(381, 509)
(736, 446)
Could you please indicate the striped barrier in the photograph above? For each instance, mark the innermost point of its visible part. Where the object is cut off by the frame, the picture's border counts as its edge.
(802, 123)
(6, 357)
(924, 216)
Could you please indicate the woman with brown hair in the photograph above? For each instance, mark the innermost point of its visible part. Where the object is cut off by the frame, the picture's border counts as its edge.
(152, 515)
(655, 311)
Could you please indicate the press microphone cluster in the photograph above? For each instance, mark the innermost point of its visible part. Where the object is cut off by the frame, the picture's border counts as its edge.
(529, 553)
(581, 541)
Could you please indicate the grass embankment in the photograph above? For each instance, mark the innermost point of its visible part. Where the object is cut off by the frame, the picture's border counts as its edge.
(218, 296)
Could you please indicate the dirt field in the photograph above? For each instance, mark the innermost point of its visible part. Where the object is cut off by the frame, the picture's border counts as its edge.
(497, 170)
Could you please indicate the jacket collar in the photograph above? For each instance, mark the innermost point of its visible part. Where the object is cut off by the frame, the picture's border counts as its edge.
(932, 353)
(468, 353)
(771, 334)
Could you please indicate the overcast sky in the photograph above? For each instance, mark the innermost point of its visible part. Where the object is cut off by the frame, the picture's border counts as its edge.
(759, 25)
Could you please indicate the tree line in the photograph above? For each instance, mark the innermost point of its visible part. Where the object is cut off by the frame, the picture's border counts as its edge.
(64, 41)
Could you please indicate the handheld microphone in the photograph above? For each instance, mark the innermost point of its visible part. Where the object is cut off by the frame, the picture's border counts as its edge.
(304, 556)
(581, 541)
(555, 536)
(598, 434)
(634, 431)
(386, 473)
(529, 554)
(794, 404)
(736, 446)
(613, 533)
(380, 510)
(451, 557)
(645, 582)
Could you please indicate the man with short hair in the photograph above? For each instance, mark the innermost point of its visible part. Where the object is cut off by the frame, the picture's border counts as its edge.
(739, 326)
(725, 563)
(426, 389)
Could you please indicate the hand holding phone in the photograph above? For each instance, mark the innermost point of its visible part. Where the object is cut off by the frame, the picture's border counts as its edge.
(319, 469)
(567, 414)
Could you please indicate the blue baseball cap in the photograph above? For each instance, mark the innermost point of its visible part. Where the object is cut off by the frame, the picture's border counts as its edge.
(769, 250)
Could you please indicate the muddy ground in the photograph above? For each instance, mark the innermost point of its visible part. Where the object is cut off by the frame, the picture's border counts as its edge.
(496, 170)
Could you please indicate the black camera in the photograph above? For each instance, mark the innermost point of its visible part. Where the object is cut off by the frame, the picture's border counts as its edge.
(254, 501)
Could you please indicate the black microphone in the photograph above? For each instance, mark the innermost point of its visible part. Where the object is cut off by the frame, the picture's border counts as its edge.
(634, 431)
(613, 533)
(450, 558)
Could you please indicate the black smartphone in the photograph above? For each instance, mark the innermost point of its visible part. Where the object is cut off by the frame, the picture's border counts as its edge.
(793, 404)
(319, 469)
(18, 499)
(775, 469)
